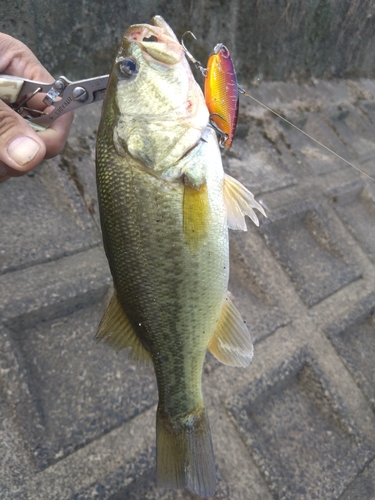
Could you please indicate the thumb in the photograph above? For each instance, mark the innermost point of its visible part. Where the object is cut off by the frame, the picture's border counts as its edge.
(21, 149)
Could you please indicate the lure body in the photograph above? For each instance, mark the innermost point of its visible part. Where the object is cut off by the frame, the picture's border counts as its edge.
(221, 92)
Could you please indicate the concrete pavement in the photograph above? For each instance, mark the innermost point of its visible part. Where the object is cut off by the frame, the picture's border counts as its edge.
(77, 420)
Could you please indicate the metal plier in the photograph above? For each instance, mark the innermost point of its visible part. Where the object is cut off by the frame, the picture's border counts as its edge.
(63, 95)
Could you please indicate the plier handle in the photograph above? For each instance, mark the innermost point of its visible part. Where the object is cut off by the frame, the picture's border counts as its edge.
(63, 95)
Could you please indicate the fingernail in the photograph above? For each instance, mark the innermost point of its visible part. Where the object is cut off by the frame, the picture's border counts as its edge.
(23, 149)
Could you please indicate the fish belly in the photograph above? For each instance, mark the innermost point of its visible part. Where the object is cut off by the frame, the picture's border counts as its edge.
(171, 290)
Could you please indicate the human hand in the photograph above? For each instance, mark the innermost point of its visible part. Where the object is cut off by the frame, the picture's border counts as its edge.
(21, 148)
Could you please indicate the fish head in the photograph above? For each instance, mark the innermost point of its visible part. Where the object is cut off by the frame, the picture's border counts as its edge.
(160, 112)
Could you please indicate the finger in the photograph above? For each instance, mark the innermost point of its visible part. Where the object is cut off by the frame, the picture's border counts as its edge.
(21, 148)
(55, 136)
(4, 175)
(18, 60)
(3, 178)
(7, 172)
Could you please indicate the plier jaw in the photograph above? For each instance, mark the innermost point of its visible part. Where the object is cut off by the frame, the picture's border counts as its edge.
(61, 96)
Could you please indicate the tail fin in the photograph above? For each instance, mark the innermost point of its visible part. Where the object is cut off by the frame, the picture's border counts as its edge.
(185, 456)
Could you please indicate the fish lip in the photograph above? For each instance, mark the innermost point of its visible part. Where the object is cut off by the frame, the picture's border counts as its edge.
(166, 49)
(137, 32)
(156, 25)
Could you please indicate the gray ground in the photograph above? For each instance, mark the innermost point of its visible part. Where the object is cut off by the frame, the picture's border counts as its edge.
(77, 419)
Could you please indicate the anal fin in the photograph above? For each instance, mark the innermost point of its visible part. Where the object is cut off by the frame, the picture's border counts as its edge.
(116, 331)
(239, 202)
(231, 343)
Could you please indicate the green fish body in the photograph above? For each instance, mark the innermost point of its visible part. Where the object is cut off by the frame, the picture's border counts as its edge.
(165, 205)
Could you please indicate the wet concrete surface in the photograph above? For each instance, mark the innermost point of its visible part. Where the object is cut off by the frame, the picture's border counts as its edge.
(77, 419)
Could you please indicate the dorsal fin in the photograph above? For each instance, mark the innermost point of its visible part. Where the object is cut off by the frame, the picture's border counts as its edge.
(116, 331)
(239, 202)
(231, 343)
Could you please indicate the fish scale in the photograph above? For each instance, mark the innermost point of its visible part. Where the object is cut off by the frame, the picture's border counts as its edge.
(158, 263)
(165, 206)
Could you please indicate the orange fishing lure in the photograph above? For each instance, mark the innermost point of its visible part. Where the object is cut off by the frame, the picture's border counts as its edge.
(221, 92)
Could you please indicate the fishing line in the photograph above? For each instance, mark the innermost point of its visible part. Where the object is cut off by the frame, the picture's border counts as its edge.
(243, 91)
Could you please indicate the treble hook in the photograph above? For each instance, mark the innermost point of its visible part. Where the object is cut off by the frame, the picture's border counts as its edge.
(223, 136)
(196, 63)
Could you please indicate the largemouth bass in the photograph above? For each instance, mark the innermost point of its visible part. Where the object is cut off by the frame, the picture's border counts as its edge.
(165, 208)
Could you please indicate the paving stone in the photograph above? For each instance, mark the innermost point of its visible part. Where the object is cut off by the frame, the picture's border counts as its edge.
(148, 490)
(259, 306)
(368, 88)
(50, 290)
(78, 157)
(363, 487)
(77, 420)
(310, 157)
(298, 432)
(29, 214)
(355, 204)
(120, 482)
(368, 108)
(142, 478)
(122, 448)
(354, 129)
(66, 373)
(301, 238)
(354, 338)
(15, 460)
(254, 161)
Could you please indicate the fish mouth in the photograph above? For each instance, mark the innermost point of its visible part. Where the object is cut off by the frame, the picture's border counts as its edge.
(156, 40)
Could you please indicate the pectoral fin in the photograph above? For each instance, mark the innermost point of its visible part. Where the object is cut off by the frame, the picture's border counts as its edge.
(231, 343)
(116, 331)
(195, 215)
(239, 202)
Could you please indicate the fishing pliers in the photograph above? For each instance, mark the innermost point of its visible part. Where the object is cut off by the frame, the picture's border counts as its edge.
(61, 96)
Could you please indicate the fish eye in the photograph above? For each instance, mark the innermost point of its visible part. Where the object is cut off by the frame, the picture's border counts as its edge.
(128, 67)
